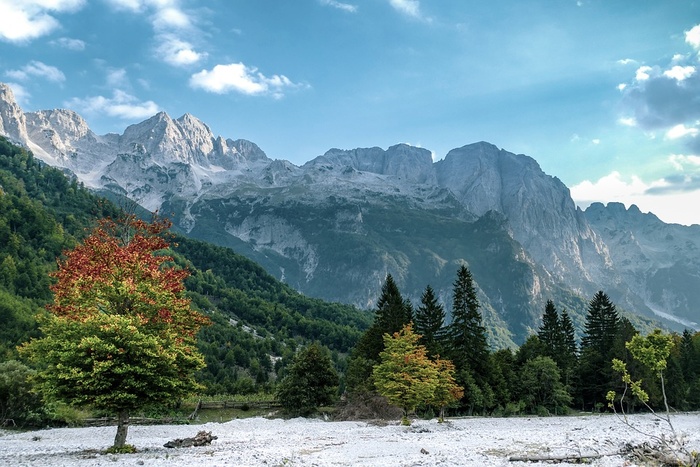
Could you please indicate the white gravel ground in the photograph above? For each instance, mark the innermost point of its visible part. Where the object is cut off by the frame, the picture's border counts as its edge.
(302, 442)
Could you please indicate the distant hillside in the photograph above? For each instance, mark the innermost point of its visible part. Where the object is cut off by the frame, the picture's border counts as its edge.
(257, 321)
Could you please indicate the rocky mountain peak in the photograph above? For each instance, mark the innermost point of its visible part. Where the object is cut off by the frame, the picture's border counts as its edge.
(407, 163)
(12, 119)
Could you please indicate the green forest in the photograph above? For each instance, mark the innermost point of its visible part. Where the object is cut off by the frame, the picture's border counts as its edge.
(264, 337)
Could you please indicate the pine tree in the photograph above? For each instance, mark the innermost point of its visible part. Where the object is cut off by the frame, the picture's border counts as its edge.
(393, 312)
(601, 325)
(468, 347)
(550, 332)
(597, 351)
(391, 315)
(568, 351)
(429, 322)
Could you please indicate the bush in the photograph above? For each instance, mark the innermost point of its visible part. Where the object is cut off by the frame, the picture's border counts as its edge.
(19, 406)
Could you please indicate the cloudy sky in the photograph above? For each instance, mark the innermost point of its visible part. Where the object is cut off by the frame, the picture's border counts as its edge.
(604, 94)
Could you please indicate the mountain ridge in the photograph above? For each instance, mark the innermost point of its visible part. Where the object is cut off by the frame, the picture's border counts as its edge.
(335, 226)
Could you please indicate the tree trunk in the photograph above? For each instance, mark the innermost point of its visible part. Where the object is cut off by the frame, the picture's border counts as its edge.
(122, 429)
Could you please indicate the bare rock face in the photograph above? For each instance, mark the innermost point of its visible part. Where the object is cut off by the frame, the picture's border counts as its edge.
(12, 119)
(407, 163)
(660, 262)
(540, 212)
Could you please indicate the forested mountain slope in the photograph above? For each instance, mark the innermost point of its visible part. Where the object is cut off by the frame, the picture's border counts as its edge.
(257, 320)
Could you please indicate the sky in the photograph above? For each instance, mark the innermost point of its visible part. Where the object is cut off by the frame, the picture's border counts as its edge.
(604, 94)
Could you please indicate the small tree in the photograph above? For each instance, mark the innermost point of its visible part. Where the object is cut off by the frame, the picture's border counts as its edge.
(311, 381)
(652, 352)
(120, 334)
(542, 387)
(405, 376)
(447, 390)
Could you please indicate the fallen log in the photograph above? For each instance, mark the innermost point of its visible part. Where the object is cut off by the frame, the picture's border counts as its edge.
(561, 457)
(203, 438)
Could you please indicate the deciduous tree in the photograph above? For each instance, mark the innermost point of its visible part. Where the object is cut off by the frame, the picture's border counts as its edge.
(405, 376)
(121, 334)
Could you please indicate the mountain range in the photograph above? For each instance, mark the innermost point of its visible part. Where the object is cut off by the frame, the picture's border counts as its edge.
(334, 227)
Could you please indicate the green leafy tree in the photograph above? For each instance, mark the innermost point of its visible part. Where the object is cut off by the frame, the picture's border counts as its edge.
(120, 335)
(430, 321)
(542, 387)
(310, 382)
(405, 376)
(447, 391)
(653, 353)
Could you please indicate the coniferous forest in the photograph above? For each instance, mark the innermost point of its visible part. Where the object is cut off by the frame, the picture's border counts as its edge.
(264, 337)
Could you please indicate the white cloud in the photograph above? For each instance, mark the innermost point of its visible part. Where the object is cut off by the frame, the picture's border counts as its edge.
(627, 121)
(170, 17)
(627, 61)
(407, 7)
(680, 130)
(240, 78)
(174, 29)
(643, 73)
(39, 70)
(25, 20)
(339, 5)
(178, 52)
(682, 162)
(120, 105)
(667, 199)
(68, 43)
(680, 73)
(131, 5)
(116, 78)
(692, 37)
(662, 96)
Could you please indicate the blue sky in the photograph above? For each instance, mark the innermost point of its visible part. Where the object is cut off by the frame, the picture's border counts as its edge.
(604, 94)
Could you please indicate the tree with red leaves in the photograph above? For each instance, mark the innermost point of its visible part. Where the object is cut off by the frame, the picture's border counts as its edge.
(120, 334)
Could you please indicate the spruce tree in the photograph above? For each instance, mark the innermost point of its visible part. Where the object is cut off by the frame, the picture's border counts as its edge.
(568, 350)
(468, 347)
(550, 332)
(597, 351)
(429, 322)
(391, 315)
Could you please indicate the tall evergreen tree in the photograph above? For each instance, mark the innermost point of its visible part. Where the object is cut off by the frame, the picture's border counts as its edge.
(391, 315)
(597, 351)
(468, 347)
(568, 350)
(429, 322)
(550, 332)
(601, 325)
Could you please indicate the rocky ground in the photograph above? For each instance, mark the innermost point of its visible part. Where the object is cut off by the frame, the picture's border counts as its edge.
(302, 442)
